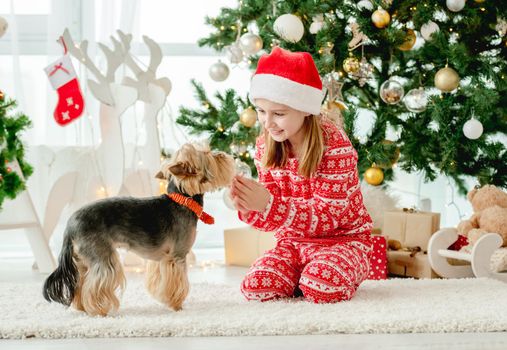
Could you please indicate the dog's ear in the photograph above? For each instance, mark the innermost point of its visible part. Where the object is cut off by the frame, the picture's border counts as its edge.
(160, 175)
(182, 169)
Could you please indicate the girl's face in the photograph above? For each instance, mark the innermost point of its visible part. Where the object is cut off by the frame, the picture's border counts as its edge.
(282, 122)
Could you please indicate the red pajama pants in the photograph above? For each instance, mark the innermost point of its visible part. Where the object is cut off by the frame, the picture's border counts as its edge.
(324, 270)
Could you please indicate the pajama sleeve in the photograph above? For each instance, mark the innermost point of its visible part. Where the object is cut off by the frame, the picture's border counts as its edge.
(334, 192)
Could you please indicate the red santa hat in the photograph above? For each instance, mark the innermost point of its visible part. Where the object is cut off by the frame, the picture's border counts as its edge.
(289, 78)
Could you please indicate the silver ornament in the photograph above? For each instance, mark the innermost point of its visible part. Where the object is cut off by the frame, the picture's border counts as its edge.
(473, 129)
(250, 43)
(219, 71)
(391, 92)
(242, 168)
(363, 73)
(416, 100)
(234, 53)
(234, 148)
(455, 5)
(317, 23)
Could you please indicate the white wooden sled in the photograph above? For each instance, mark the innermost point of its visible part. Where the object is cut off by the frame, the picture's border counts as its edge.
(479, 259)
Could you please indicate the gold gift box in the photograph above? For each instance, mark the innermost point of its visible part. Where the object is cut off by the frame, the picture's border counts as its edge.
(411, 228)
(409, 264)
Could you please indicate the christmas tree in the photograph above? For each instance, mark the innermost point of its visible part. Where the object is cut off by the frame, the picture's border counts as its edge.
(11, 149)
(432, 74)
(226, 130)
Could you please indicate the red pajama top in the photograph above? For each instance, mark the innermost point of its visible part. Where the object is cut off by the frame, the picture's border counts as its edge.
(328, 204)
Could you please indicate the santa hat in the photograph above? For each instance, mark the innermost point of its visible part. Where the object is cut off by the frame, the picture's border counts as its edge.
(289, 78)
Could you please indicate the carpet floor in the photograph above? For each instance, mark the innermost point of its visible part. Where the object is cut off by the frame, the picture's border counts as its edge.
(390, 306)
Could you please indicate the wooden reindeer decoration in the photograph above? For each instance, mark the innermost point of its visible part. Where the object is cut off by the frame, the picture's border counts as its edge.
(153, 92)
(115, 99)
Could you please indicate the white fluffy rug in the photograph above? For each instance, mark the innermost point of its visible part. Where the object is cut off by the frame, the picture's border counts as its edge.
(392, 306)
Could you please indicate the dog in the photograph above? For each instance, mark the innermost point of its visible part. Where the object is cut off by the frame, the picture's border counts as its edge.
(160, 229)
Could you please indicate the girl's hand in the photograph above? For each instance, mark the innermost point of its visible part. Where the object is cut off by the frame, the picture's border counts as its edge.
(235, 201)
(248, 194)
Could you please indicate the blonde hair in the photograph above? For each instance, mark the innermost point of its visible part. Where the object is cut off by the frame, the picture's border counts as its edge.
(310, 154)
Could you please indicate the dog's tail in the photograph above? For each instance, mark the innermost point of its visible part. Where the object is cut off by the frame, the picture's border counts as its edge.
(60, 286)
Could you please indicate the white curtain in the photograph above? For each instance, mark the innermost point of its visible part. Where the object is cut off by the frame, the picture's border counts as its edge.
(22, 78)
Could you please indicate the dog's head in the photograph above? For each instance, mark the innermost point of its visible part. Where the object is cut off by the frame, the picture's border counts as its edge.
(195, 169)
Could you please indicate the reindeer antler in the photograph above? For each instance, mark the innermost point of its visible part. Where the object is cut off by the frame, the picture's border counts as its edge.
(144, 77)
(100, 89)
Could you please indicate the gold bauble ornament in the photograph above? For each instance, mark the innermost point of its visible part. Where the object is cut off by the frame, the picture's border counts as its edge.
(380, 18)
(351, 64)
(409, 41)
(248, 117)
(374, 175)
(447, 79)
(479, 1)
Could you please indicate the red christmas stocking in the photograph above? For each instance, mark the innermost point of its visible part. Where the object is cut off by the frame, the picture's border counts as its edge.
(63, 78)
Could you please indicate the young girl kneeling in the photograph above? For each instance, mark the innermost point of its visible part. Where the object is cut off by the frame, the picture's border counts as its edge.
(308, 191)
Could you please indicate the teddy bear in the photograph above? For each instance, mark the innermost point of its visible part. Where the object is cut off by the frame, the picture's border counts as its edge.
(490, 214)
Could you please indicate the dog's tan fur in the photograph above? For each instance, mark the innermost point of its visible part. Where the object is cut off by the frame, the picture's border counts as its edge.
(99, 274)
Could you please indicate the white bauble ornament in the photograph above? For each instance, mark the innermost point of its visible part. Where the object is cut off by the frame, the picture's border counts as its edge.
(250, 43)
(289, 28)
(219, 71)
(317, 23)
(455, 5)
(3, 26)
(234, 53)
(473, 129)
(228, 199)
(429, 28)
(416, 100)
(391, 92)
(242, 169)
(365, 4)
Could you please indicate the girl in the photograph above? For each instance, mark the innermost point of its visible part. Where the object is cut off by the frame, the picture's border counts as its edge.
(308, 191)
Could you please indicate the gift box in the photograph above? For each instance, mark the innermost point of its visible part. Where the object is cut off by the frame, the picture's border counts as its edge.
(411, 228)
(409, 264)
(245, 244)
(378, 260)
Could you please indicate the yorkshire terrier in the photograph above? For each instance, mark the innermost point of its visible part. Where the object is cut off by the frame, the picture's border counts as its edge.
(160, 229)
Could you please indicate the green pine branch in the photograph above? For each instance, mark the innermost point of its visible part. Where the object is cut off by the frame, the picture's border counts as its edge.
(11, 148)
(220, 124)
(431, 142)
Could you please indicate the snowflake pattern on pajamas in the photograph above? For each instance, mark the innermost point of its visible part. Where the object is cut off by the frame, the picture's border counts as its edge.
(321, 226)
(326, 271)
